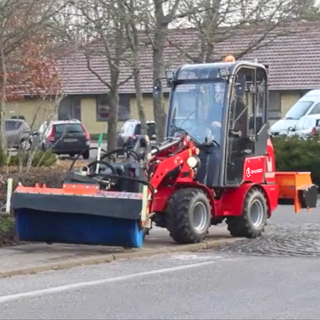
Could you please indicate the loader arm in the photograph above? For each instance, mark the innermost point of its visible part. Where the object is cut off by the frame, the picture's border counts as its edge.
(168, 165)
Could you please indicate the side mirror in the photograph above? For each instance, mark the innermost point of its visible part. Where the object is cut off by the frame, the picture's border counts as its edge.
(169, 77)
(35, 133)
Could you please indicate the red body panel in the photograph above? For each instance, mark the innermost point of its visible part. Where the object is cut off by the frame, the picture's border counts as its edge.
(231, 202)
(254, 168)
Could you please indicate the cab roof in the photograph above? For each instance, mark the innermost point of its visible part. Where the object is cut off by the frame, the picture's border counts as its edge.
(211, 69)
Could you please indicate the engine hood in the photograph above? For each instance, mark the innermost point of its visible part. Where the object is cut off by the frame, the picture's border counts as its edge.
(282, 126)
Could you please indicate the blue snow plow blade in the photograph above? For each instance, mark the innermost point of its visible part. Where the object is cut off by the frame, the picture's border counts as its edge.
(56, 216)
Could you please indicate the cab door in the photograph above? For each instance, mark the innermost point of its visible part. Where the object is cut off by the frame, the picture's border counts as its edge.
(240, 140)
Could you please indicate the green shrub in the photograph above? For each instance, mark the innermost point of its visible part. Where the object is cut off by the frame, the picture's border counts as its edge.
(7, 232)
(297, 154)
(40, 159)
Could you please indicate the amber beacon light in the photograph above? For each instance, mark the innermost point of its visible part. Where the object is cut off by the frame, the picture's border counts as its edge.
(229, 58)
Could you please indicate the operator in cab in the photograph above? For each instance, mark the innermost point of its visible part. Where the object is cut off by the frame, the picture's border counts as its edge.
(237, 115)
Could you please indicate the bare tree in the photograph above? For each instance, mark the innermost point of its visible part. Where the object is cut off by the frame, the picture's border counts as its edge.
(105, 27)
(222, 22)
(161, 15)
(135, 13)
(306, 10)
(20, 23)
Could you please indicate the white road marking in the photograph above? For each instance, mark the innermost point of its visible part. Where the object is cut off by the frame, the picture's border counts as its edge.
(189, 257)
(37, 293)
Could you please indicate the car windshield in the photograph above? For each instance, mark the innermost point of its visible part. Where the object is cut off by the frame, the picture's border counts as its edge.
(196, 107)
(68, 127)
(298, 110)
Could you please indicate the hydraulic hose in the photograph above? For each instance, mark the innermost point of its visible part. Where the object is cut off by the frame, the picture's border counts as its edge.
(112, 176)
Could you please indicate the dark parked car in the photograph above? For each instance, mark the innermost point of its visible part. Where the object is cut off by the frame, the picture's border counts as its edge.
(65, 137)
(131, 128)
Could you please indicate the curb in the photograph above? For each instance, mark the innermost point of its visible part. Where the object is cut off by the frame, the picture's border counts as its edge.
(79, 262)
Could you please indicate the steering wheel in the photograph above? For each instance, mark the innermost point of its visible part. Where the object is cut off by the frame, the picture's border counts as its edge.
(200, 132)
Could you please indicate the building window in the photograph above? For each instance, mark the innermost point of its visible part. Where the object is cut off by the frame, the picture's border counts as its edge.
(124, 107)
(70, 108)
(103, 107)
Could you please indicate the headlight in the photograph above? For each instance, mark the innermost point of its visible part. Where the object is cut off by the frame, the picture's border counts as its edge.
(192, 162)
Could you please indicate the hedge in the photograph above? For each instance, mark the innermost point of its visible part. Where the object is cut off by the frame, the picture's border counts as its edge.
(7, 233)
(298, 154)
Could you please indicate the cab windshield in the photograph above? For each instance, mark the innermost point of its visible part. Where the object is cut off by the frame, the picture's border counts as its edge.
(298, 110)
(198, 109)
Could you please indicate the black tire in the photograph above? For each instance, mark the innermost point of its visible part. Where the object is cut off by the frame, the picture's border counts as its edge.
(86, 155)
(181, 216)
(254, 219)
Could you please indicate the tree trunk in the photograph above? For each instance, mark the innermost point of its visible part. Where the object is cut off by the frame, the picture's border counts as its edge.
(113, 119)
(3, 84)
(139, 98)
(158, 70)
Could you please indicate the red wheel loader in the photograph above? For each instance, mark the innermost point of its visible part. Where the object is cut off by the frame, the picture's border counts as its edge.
(217, 163)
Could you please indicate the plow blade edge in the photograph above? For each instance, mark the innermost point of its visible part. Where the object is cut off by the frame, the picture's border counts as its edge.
(108, 218)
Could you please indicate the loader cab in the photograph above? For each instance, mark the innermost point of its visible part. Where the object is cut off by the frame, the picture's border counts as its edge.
(223, 107)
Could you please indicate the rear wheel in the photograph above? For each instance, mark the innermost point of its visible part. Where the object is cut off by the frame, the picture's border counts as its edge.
(254, 219)
(25, 144)
(86, 155)
(188, 216)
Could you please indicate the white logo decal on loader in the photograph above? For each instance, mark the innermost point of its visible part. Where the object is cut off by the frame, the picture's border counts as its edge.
(249, 172)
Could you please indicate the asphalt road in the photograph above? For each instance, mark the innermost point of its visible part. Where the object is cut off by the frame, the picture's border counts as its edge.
(222, 284)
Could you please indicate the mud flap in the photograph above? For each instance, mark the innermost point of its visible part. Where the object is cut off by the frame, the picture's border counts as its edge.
(297, 188)
(95, 218)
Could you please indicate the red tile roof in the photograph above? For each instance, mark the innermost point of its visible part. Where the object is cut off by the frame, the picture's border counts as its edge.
(292, 53)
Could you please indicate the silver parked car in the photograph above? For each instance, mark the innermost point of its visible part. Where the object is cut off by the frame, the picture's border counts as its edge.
(306, 126)
(18, 134)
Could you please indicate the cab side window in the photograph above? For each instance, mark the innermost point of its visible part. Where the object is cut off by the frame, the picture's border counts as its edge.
(316, 109)
(260, 114)
(240, 104)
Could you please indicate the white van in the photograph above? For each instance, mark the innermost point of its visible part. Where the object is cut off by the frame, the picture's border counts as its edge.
(306, 105)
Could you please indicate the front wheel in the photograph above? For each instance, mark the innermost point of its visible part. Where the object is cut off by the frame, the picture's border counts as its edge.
(188, 216)
(25, 144)
(254, 218)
